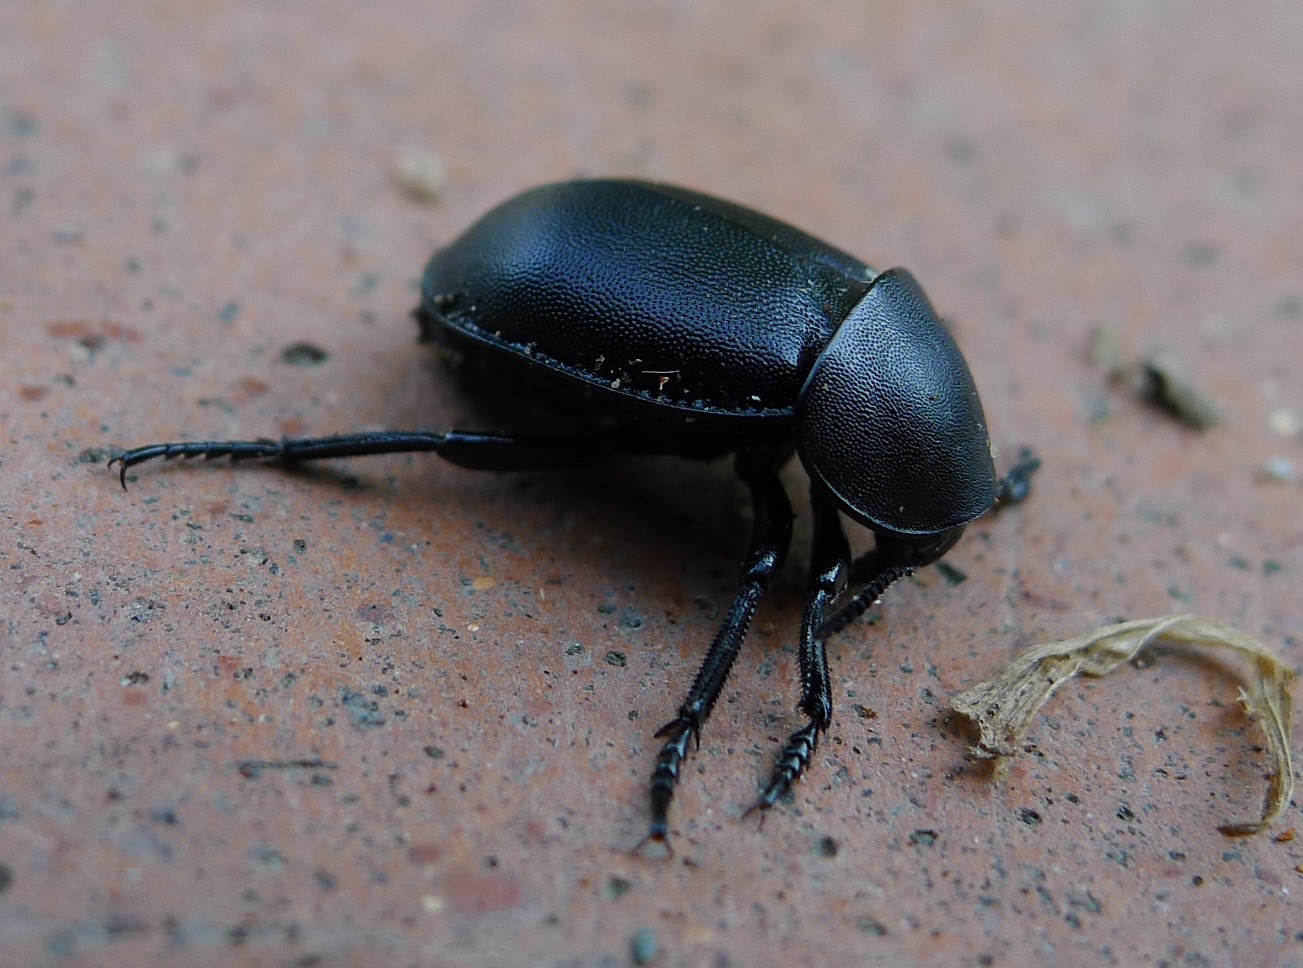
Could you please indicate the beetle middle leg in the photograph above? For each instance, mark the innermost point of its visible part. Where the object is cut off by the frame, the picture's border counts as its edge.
(831, 572)
(829, 563)
(770, 538)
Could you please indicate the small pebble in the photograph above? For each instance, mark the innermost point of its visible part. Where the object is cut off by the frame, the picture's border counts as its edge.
(1278, 470)
(645, 947)
(1285, 423)
(1105, 349)
(421, 174)
(303, 354)
(68, 234)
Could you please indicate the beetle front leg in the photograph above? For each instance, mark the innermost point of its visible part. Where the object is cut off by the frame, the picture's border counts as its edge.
(770, 537)
(883, 576)
(829, 562)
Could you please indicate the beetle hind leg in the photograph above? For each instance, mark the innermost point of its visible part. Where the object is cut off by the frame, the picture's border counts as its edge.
(684, 731)
(770, 538)
(477, 451)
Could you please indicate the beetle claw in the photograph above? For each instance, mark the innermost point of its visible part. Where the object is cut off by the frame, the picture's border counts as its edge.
(761, 806)
(658, 835)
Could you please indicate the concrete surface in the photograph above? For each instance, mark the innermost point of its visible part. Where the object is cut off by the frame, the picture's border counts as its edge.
(395, 713)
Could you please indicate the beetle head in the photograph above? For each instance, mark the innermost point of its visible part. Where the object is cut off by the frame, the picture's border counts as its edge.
(889, 423)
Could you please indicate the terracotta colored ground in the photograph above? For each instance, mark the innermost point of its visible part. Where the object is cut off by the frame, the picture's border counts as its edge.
(393, 713)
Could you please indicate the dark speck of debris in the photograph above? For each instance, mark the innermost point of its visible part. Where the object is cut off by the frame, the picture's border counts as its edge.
(6, 877)
(617, 887)
(644, 947)
(268, 857)
(95, 455)
(23, 199)
(253, 769)
(617, 659)
(1029, 816)
(136, 679)
(826, 847)
(365, 712)
(1201, 254)
(303, 354)
(366, 284)
(21, 125)
(923, 838)
(950, 573)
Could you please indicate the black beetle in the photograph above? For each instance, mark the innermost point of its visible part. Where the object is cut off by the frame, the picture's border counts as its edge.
(678, 323)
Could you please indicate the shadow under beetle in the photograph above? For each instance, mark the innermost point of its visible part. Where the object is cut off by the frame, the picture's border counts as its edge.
(678, 323)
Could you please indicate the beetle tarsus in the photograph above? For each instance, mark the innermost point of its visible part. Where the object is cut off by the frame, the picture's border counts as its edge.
(683, 732)
(796, 756)
(189, 449)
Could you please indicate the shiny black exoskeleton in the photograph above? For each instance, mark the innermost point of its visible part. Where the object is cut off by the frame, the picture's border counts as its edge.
(674, 322)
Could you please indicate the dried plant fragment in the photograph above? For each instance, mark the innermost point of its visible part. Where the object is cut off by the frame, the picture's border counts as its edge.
(1169, 384)
(1005, 706)
(1161, 376)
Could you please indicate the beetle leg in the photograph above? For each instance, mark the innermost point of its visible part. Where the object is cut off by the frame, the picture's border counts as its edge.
(770, 537)
(1017, 483)
(829, 562)
(488, 452)
(883, 575)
